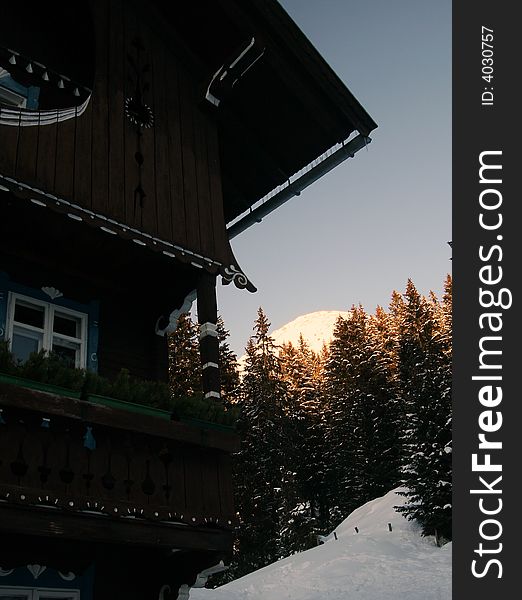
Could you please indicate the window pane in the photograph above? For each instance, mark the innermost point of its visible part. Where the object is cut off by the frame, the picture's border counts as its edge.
(11, 98)
(24, 343)
(29, 314)
(66, 325)
(69, 352)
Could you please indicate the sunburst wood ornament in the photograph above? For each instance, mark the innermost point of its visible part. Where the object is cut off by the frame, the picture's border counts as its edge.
(36, 570)
(139, 113)
(52, 292)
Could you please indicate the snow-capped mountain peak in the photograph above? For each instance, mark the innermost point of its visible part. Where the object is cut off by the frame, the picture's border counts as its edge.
(316, 328)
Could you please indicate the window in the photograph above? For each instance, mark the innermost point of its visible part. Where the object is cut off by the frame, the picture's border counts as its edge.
(37, 594)
(15, 95)
(12, 98)
(33, 325)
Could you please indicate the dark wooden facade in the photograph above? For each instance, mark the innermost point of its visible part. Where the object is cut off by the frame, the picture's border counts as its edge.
(150, 505)
(141, 466)
(162, 178)
(133, 290)
(131, 135)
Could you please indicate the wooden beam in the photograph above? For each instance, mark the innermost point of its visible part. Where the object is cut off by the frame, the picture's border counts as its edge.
(88, 528)
(49, 404)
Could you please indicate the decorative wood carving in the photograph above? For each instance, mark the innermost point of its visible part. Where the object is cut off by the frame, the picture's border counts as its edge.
(128, 474)
(36, 570)
(139, 114)
(52, 292)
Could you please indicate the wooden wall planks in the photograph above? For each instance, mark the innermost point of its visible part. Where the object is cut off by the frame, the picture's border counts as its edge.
(82, 159)
(162, 143)
(8, 149)
(127, 471)
(100, 118)
(92, 159)
(116, 124)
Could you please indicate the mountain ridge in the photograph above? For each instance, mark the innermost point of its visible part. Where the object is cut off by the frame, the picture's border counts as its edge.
(316, 328)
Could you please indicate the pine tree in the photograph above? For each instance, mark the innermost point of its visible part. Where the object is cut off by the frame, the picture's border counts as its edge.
(184, 359)
(260, 464)
(425, 379)
(339, 453)
(384, 452)
(228, 365)
(307, 501)
(363, 413)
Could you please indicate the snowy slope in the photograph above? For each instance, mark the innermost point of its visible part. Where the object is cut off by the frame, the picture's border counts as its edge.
(374, 564)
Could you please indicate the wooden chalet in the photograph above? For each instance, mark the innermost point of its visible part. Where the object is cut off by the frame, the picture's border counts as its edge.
(136, 138)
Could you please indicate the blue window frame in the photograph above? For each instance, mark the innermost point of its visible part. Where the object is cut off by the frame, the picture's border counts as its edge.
(32, 320)
(39, 582)
(23, 593)
(16, 95)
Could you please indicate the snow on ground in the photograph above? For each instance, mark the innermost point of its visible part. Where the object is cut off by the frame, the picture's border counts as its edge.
(374, 564)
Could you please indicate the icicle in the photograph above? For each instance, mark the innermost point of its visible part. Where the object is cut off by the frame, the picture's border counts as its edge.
(76, 92)
(12, 60)
(60, 84)
(45, 76)
(29, 68)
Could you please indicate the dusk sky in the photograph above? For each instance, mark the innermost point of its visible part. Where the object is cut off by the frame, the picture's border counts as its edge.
(378, 219)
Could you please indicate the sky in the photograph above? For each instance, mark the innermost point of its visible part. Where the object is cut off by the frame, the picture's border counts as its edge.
(376, 220)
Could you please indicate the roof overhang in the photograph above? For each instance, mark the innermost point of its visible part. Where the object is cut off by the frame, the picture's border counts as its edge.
(280, 106)
(295, 186)
(230, 273)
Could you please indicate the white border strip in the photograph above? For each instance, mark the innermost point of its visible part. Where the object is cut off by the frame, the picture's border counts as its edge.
(206, 329)
(210, 364)
(34, 118)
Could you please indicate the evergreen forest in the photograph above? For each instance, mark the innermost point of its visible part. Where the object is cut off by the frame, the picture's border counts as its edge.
(322, 434)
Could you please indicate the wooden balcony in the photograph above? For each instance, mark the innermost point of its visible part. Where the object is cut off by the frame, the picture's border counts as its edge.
(74, 469)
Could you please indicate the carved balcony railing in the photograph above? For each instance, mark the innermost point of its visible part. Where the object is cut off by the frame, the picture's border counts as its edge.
(65, 454)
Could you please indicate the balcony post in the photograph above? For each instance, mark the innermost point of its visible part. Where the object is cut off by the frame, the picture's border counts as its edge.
(208, 337)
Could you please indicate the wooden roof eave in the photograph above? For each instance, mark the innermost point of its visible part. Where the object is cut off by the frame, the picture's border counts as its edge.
(295, 188)
(333, 114)
(275, 29)
(230, 273)
(324, 76)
